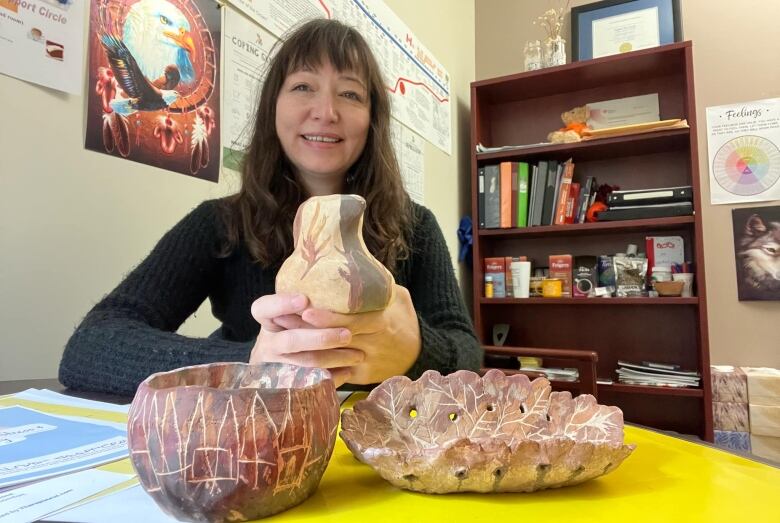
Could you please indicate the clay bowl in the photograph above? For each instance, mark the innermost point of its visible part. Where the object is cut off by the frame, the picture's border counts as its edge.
(232, 441)
(669, 288)
(495, 433)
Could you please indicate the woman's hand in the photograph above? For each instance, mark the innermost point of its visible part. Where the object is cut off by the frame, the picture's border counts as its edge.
(286, 338)
(389, 339)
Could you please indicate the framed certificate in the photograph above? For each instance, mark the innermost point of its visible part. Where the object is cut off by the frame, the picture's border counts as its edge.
(618, 26)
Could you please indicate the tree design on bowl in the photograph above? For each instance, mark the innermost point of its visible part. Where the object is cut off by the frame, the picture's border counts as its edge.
(496, 433)
(232, 441)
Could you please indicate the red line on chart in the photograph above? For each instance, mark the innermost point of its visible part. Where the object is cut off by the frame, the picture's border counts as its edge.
(398, 84)
(326, 9)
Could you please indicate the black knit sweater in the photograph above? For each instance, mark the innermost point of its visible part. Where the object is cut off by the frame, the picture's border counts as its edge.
(131, 333)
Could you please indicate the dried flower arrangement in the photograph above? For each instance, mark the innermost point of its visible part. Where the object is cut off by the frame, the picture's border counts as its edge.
(552, 21)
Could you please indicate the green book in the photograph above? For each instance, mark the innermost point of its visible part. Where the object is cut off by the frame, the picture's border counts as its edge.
(522, 194)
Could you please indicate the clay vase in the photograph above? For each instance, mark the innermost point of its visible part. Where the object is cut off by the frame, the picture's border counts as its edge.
(331, 264)
(232, 441)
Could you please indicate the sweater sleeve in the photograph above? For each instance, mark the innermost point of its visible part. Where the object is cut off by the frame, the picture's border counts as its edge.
(130, 333)
(448, 339)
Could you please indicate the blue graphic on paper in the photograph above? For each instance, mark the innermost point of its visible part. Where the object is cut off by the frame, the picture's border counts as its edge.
(34, 445)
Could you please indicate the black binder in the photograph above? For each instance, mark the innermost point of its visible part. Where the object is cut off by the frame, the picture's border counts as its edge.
(650, 196)
(646, 211)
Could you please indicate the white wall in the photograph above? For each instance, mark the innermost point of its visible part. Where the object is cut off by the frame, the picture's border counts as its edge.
(73, 222)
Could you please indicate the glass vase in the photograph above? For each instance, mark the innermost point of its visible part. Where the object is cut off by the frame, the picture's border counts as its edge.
(533, 55)
(554, 51)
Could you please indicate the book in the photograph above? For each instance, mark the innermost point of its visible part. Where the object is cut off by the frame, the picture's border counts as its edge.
(513, 206)
(522, 194)
(650, 196)
(563, 193)
(539, 188)
(505, 171)
(558, 176)
(492, 197)
(571, 203)
(481, 197)
(532, 193)
(582, 206)
(549, 192)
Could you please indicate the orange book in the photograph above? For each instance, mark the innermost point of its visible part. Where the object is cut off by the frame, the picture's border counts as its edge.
(506, 195)
(563, 194)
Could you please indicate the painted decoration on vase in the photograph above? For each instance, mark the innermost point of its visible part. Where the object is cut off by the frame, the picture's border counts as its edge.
(757, 252)
(153, 83)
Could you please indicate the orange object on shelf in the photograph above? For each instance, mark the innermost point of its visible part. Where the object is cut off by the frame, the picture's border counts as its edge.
(597, 207)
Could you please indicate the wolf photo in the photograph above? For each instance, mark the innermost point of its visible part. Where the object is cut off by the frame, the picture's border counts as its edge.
(757, 252)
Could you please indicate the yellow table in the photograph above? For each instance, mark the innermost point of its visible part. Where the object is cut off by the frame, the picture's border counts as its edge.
(666, 479)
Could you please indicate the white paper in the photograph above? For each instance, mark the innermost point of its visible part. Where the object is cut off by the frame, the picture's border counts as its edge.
(625, 32)
(743, 143)
(278, 16)
(245, 47)
(42, 41)
(34, 501)
(418, 84)
(131, 505)
(409, 150)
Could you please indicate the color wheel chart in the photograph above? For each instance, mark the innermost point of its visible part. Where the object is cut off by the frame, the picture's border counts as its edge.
(747, 165)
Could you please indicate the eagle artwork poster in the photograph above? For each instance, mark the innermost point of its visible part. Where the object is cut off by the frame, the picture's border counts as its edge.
(153, 83)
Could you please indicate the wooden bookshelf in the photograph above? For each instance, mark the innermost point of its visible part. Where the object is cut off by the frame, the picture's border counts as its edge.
(521, 109)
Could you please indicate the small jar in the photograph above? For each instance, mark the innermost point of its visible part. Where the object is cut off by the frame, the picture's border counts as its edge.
(533, 55)
(661, 273)
(488, 286)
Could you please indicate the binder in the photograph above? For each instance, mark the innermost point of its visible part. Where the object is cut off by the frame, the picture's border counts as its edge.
(650, 196)
(639, 212)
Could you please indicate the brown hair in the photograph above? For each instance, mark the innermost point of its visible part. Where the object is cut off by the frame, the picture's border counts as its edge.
(261, 213)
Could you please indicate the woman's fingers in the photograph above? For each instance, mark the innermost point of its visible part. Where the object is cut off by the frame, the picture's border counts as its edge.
(362, 323)
(324, 359)
(266, 308)
(291, 321)
(302, 340)
(341, 375)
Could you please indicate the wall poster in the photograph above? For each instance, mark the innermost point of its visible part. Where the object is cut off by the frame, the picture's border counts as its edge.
(153, 93)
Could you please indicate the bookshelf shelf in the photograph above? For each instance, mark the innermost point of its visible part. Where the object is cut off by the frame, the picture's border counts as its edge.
(521, 109)
(646, 389)
(575, 229)
(589, 302)
(602, 148)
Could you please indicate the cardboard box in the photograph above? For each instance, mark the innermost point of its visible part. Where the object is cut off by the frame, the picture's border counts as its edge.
(763, 385)
(764, 420)
(560, 268)
(766, 447)
(729, 384)
(730, 416)
(739, 441)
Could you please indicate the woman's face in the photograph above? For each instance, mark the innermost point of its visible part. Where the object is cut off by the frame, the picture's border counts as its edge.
(322, 120)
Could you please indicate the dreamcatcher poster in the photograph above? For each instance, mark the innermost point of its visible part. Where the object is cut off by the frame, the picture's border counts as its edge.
(153, 83)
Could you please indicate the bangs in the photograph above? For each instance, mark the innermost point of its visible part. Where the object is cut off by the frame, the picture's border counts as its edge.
(339, 45)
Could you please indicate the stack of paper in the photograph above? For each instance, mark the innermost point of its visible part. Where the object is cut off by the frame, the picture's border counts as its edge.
(553, 373)
(654, 374)
(55, 453)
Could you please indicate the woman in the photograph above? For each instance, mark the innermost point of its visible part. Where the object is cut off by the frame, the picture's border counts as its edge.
(322, 127)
